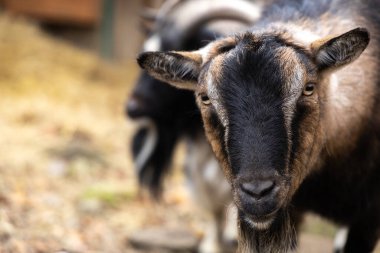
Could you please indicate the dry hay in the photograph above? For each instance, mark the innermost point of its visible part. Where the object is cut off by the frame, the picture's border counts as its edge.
(66, 180)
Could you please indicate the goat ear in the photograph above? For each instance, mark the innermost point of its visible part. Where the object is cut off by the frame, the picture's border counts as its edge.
(180, 69)
(338, 51)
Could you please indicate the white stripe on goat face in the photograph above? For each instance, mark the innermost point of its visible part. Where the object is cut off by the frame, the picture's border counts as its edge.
(154, 43)
(219, 108)
(294, 76)
(215, 99)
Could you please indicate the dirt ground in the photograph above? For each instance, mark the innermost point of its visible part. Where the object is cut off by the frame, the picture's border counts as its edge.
(66, 177)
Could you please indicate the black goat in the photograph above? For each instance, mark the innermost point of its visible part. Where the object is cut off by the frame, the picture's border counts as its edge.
(167, 115)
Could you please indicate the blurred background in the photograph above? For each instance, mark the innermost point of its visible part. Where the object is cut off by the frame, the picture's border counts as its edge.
(67, 179)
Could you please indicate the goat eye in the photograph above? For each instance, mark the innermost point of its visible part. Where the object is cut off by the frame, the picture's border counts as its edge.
(205, 99)
(308, 90)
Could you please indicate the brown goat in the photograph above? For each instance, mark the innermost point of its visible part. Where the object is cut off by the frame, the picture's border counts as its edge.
(290, 109)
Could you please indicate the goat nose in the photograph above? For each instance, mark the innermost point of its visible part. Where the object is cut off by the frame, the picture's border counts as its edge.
(133, 109)
(258, 189)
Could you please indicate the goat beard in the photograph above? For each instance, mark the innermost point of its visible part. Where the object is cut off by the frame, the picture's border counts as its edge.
(280, 237)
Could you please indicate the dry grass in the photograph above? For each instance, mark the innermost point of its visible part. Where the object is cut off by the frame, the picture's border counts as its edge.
(66, 177)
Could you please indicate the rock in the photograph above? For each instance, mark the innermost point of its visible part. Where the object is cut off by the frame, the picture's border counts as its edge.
(165, 240)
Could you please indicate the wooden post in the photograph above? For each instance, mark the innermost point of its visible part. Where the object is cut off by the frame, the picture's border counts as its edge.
(107, 29)
(120, 34)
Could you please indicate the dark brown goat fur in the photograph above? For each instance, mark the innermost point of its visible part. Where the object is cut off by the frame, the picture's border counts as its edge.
(291, 111)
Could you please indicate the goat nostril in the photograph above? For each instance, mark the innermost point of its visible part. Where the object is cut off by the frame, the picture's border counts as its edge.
(258, 189)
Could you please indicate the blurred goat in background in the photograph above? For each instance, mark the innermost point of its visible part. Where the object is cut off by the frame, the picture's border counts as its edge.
(166, 115)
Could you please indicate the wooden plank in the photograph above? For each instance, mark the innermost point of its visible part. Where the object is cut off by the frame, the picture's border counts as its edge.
(82, 12)
(107, 31)
(128, 36)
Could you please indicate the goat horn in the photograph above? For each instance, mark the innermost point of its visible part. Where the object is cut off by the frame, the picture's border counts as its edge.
(149, 14)
(199, 12)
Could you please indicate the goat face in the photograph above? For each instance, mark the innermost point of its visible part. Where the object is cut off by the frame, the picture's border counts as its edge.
(261, 98)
